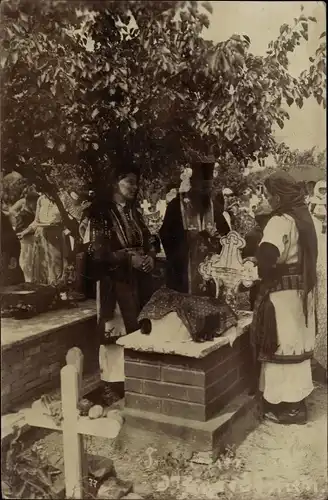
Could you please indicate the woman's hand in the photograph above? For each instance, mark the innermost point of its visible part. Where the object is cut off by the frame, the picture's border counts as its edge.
(148, 264)
(22, 234)
(137, 262)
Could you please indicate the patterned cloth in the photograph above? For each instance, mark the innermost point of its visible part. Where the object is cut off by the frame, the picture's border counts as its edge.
(243, 223)
(204, 317)
(113, 236)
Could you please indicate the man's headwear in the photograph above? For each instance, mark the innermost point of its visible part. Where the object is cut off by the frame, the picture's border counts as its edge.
(203, 167)
(202, 164)
(292, 203)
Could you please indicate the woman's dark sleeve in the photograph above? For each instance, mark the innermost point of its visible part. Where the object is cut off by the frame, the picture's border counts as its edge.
(267, 256)
(252, 239)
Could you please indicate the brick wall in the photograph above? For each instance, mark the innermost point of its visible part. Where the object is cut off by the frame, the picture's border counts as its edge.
(187, 387)
(31, 368)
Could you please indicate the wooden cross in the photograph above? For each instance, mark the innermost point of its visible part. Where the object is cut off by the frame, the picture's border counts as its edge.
(228, 270)
(73, 426)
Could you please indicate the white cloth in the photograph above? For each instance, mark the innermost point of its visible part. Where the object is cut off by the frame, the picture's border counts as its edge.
(111, 362)
(290, 382)
(111, 357)
(170, 328)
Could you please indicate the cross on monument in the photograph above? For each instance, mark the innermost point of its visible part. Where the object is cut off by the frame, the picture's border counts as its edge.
(228, 270)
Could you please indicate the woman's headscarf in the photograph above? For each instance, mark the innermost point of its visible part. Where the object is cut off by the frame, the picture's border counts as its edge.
(320, 185)
(292, 203)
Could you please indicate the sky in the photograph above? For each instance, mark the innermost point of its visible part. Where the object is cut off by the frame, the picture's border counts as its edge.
(261, 21)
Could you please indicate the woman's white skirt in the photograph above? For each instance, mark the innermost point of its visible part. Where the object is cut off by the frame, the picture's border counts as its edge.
(111, 362)
(290, 382)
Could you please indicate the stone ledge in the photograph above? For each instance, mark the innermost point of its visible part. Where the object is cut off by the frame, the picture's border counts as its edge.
(144, 343)
(153, 430)
(14, 332)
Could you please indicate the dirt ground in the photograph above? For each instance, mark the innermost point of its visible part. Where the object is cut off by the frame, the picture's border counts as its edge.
(274, 462)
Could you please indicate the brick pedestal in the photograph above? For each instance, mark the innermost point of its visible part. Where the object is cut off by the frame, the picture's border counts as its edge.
(187, 389)
(191, 388)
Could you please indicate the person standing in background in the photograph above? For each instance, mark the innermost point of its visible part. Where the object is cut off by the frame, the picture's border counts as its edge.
(24, 218)
(50, 249)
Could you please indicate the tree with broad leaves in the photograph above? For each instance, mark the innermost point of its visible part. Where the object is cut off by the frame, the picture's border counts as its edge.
(230, 174)
(152, 91)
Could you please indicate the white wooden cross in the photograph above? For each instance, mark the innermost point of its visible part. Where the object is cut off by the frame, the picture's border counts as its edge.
(73, 426)
(228, 270)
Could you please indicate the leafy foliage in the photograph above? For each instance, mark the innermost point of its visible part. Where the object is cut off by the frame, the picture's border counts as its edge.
(288, 159)
(152, 91)
(230, 174)
(25, 474)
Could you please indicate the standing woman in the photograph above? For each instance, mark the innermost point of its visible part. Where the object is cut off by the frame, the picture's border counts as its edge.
(24, 218)
(283, 328)
(121, 258)
(50, 249)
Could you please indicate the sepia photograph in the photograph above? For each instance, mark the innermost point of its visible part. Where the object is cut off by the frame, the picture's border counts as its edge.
(163, 270)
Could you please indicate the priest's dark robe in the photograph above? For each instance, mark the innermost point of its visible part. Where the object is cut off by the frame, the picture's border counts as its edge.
(187, 240)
